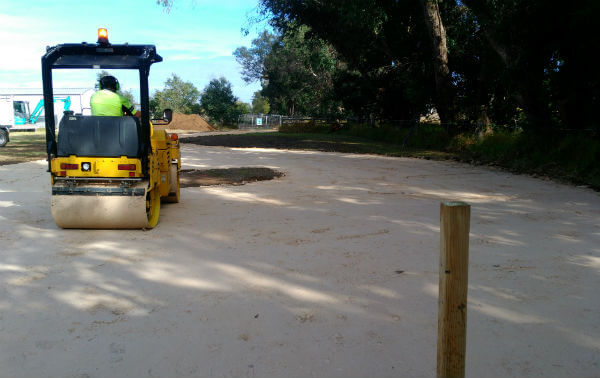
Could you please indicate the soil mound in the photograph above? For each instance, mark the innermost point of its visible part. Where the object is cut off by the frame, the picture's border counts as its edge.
(187, 122)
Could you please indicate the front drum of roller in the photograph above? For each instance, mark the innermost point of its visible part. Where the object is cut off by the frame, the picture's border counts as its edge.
(104, 211)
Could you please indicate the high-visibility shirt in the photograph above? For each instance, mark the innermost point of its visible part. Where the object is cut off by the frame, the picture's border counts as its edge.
(108, 103)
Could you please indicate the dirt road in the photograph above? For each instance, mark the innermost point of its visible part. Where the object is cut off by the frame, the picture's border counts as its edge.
(329, 271)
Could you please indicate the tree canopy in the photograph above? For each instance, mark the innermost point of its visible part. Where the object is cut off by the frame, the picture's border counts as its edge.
(219, 103)
(260, 104)
(178, 95)
(295, 72)
(472, 60)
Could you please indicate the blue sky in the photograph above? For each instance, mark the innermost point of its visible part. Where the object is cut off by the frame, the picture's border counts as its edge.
(196, 39)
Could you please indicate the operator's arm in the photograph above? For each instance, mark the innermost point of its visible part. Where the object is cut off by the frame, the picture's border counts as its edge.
(129, 108)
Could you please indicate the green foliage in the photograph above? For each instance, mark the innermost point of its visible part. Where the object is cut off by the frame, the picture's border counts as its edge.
(253, 59)
(167, 4)
(260, 104)
(219, 103)
(305, 127)
(128, 95)
(423, 135)
(502, 55)
(299, 75)
(382, 67)
(499, 147)
(431, 136)
(569, 157)
(242, 108)
(295, 70)
(462, 142)
(178, 95)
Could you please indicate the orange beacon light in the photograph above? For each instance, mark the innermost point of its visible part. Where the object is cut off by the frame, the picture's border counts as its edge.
(103, 36)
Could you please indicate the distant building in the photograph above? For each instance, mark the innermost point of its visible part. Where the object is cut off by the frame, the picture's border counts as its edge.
(79, 101)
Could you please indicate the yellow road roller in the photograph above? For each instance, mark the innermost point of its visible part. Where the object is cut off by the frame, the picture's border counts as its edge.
(108, 172)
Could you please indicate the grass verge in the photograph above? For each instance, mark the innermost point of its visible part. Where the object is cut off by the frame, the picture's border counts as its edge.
(334, 142)
(568, 158)
(24, 146)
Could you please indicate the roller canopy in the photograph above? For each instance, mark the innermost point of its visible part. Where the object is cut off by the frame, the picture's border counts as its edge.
(100, 56)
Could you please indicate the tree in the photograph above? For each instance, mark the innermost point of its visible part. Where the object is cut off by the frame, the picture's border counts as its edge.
(437, 32)
(295, 71)
(381, 46)
(472, 60)
(178, 95)
(543, 50)
(260, 104)
(165, 3)
(252, 59)
(128, 94)
(219, 103)
(242, 108)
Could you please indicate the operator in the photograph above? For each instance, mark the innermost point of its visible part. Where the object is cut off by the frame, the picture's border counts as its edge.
(107, 102)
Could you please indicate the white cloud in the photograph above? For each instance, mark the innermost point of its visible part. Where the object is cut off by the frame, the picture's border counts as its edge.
(24, 42)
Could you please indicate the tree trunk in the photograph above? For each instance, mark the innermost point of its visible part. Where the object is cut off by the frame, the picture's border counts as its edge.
(443, 82)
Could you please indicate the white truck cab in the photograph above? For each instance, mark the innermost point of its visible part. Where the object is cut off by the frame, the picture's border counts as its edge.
(7, 118)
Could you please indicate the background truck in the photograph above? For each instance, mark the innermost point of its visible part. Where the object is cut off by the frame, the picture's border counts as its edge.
(4, 131)
(15, 112)
(10, 112)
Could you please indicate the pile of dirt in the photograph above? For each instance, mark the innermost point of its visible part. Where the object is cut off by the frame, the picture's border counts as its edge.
(187, 122)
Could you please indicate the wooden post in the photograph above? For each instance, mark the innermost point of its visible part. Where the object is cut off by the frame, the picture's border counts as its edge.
(454, 267)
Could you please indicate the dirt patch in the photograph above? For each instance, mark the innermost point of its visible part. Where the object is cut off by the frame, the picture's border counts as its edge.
(229, 176)
(187, 122)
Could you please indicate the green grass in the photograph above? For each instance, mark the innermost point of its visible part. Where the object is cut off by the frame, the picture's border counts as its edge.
(570, 158)
(328, 142)
(24, 146)
(567, 157)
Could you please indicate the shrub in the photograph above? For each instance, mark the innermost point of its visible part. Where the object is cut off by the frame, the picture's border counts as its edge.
(462, 142)
(306, 127)
(498, 146)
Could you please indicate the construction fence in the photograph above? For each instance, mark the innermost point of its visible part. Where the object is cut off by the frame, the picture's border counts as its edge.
(272, 121)
(259, 121)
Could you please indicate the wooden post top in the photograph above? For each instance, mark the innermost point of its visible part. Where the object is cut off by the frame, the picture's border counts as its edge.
(454, 203)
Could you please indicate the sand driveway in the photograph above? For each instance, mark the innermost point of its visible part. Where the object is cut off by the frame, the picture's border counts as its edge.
(329, 271)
